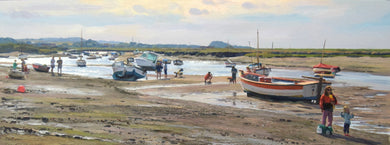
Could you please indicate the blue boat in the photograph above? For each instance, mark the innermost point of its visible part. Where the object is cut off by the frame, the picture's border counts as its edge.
(127, 72)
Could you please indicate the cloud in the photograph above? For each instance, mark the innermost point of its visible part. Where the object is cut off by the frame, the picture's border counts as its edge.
(139, 9)
(195, 11)
(23, 14)
(248, 5)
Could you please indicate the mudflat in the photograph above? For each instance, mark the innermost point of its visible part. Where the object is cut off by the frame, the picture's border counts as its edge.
(71, 109)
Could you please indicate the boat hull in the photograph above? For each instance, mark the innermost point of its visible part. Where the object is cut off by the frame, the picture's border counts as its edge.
(81, 63)
(280, 88)
(40, 68)
(127, 73)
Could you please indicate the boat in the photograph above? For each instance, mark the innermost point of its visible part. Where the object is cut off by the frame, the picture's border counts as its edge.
(81, 62)
(325, 75)
(92, 56)
(147, 61)
(23, 56)
(41, 68)
(178, 62)
(280, 88)
(229, 63)
(325, 70)
(72, 57)
(258, 67)
(166, 61)
(16, 74)
(126, 72)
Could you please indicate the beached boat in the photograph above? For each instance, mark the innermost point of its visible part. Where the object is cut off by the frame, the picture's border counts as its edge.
(325, 75)
(229, 63)
(178, 62)
(279, 88)
(147, 61)
(126, 72)
(41, 68)
(325, 70)
(258, 67)
(16, 74)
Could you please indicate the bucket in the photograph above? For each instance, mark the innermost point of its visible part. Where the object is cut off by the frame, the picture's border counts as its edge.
(320, 128)
(21, 89)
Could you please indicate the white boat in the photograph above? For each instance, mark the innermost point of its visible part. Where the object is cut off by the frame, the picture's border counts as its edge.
(178, 62)
(92, 56)
(126, 72)
(147, 61)
(279, 88)
(229, 63)
(81, 62)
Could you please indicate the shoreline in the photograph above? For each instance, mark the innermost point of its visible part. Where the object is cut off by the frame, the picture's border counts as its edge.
(115, 112)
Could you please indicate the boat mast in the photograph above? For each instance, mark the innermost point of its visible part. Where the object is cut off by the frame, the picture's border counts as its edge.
(323, 50)
(81, 39)
(257, 52)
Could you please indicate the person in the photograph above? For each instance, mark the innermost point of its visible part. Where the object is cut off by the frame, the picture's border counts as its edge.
(179, 73)
(234, 74)
(327, 104)
(52, 63)
(23, 66)
(347, 119)
(207, 78)
(15, 65)
(248, 69)
(165, 69)
(59, 66)
(158, 69)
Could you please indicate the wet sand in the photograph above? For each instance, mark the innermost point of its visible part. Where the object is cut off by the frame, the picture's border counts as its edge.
(78, 110)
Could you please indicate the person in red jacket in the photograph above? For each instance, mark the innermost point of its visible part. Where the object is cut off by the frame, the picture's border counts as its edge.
(207, 78)
(327, 103)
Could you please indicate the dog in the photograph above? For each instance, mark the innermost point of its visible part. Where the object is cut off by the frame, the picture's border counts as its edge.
(231, 80)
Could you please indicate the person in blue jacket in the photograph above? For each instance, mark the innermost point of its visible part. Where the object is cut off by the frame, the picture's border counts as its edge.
(347, 119)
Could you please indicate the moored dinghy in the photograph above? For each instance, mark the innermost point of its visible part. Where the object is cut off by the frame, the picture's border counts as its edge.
(127, 72)
(279, 88)
(41, 68)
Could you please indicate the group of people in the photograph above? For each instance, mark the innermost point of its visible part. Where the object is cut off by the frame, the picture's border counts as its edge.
(24, 66)
(327, 104)
(53, 65)
(161, 66)
(209, 76)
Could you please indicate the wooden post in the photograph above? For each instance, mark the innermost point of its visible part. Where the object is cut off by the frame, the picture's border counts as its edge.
(319, 89)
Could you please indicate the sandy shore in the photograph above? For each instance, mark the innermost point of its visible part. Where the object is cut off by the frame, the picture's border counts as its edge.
(77, 110)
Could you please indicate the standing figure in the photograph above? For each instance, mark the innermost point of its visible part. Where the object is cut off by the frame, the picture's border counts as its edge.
(53, 65)
(158, 69)
(207, 78)
(15, 65)
(165, 70)
(24, 68)
(327, 103)
(234, 74)
(347, 119)
(59, 65)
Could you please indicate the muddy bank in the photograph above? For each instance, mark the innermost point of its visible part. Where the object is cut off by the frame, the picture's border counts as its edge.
(78, 110)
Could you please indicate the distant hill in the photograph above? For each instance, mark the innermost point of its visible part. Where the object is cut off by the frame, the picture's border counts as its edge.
(7, 40)
(75, 42)
(220, 44)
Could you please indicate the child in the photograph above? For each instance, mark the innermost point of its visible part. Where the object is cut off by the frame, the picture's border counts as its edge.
(347, 119)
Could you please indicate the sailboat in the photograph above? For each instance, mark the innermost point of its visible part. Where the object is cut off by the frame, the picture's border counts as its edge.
(81, 62)
(258, 67)
(325, 70)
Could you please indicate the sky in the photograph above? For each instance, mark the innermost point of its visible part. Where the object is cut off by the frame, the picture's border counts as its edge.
(283, 23)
